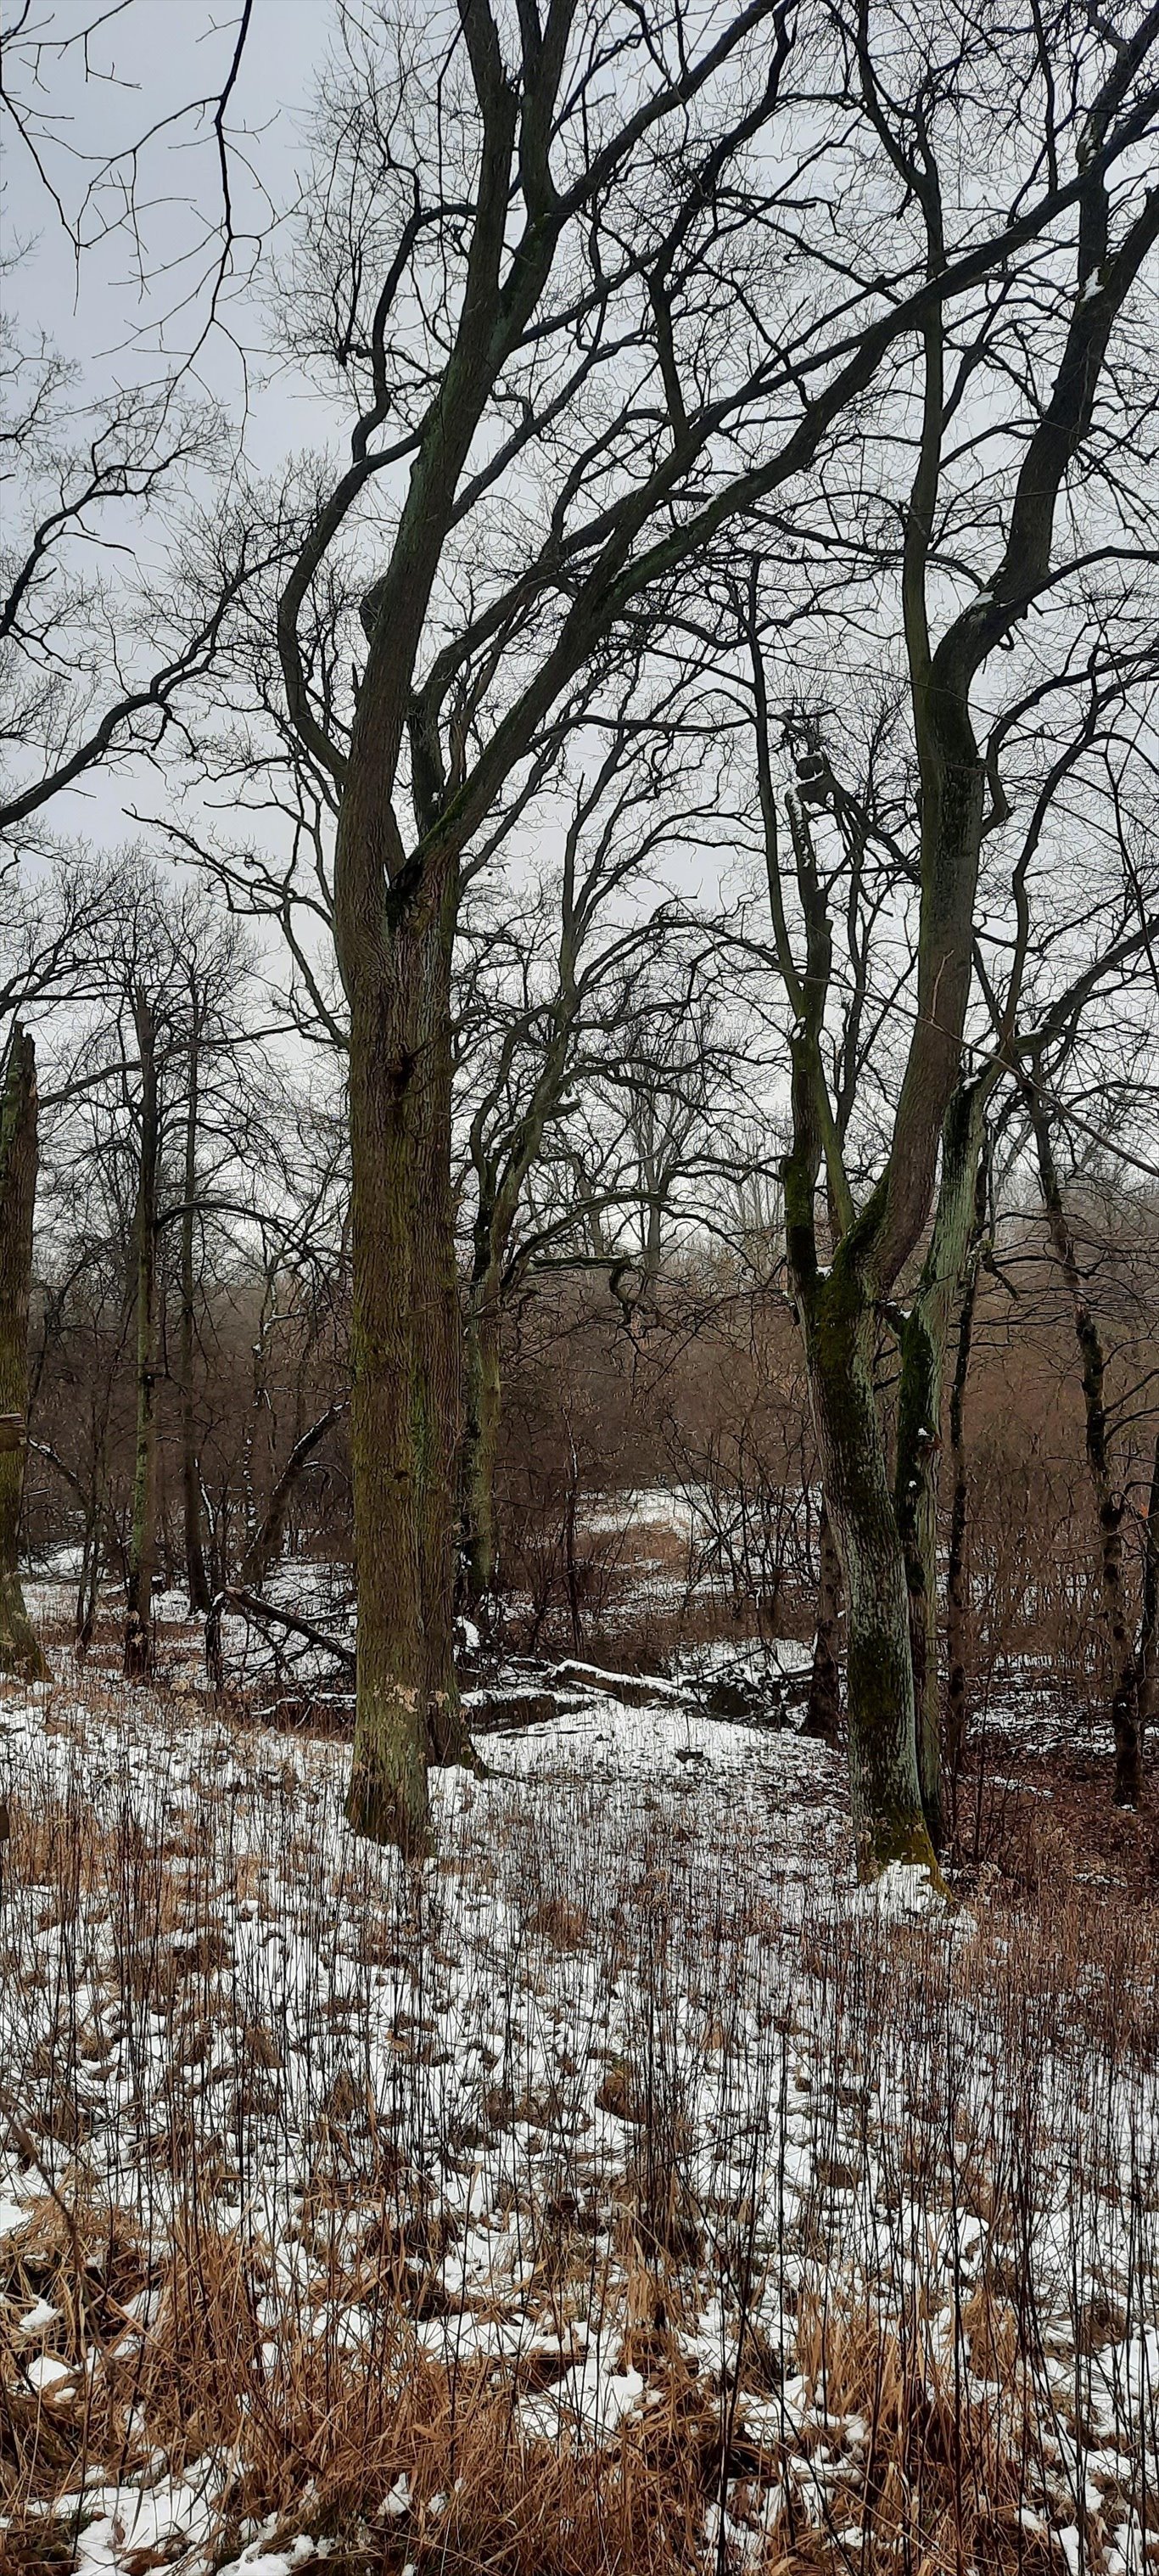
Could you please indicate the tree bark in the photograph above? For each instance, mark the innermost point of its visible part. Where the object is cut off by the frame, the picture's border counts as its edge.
(1122, 1667)
(924, 1341)
(957, 1568)
(143, 1530)
(889, 1822)
(838, 1311)
(1148, 1656)
(20, 1652)
(823, 1709)
(196, 1575)
(405, 1330)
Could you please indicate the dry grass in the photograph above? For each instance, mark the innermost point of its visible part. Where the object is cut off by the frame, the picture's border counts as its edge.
(333, 2176)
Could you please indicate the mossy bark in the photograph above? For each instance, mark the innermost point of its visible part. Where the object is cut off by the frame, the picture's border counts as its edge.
(142, 1550)
(838, 1309)
(20, 1651)
(437, 1368)
(924, 1344)
(823, 1708)
(404, 1413)
(889, 1822)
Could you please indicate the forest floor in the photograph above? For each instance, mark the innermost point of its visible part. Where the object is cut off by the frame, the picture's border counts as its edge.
(624, 2190)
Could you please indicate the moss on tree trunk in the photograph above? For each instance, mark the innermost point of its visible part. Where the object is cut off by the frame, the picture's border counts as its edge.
(404, 1413)
(924, 1343)
(823, 1709)
(889, 1822)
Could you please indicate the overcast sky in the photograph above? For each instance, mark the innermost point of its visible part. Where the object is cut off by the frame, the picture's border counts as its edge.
(112, 314)
(122, 318)
(149, 65)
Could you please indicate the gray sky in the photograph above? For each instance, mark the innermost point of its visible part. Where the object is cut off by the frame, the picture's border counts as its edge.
(110, 312)
(147, 63)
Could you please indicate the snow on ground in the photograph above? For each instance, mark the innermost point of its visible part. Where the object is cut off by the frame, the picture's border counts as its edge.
(627, 2104)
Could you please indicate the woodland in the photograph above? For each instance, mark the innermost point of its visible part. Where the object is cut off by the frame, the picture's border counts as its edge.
(579, 1287)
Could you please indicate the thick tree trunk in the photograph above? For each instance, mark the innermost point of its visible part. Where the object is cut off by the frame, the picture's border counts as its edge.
(1121, 1663)
(143, 1530)
(823, 1709)
(405, 1365)
(889, 1823)
(196, 1576)
(924, 1341)
(20, 1652)
(481, 1443)
(838, 1310)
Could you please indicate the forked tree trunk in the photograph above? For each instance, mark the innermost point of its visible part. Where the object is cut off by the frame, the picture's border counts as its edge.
(196, 1576)
(838, 1309)
(20, 1652)
(924, 1342)
(481, 1442)
(823, 1709)
(143, 1530)
(1121, 1663)
(405, 1362)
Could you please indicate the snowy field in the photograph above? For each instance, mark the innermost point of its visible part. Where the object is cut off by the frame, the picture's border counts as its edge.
(624, 2191)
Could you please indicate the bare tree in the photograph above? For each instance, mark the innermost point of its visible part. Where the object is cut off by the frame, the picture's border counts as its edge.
(151, 1090)
(19, 1651)
(533, 296)
(1126, 1662)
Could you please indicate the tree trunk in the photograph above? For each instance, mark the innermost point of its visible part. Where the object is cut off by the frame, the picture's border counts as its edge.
(1147, 1662)
(20, 1652)
(570, 1561)
(196, 1576)
(86, 1591)
(957, 1569)
(924, 1340)
(823, 1710)
(888, 1818)
(405, 1359)
(143, 1531)
(481, 1442)
(1122, 1668)
(838, 1310)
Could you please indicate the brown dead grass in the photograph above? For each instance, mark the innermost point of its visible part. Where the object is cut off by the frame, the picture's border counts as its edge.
(164, 2332)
